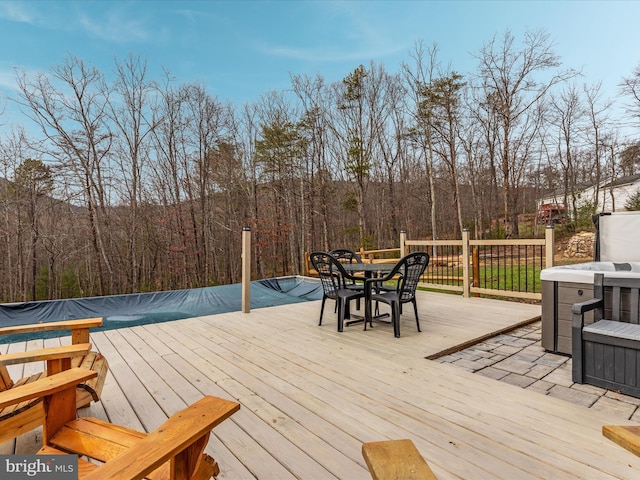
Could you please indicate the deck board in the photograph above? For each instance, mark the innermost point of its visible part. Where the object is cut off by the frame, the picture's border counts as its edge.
(311, 396)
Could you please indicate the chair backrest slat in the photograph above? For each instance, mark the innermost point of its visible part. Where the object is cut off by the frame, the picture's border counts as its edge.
(616, 306)
(5, 380)
(633, 305)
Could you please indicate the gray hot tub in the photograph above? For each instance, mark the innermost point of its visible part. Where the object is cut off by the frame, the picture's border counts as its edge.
(616, 253)
(565, 285)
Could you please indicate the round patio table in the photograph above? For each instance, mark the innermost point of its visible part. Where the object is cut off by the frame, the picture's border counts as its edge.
(370, 270)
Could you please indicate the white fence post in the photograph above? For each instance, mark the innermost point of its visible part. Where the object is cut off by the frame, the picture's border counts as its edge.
(246, 269)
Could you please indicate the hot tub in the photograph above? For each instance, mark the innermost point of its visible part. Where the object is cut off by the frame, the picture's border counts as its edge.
(562, 286)
(616, 253)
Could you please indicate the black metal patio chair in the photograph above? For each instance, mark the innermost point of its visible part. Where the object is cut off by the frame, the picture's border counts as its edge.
(334, 277)
(406, 274)
(345, 255)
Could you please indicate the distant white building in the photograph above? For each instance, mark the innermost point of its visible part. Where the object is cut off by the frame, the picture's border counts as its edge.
(608, 197)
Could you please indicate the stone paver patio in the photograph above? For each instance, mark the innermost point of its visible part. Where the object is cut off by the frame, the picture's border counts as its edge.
(517, 358)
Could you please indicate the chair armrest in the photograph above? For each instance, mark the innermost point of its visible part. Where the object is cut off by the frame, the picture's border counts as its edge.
(396, 459)
(52, 353)
(370, 282)
(45, 386)
(627, 436)
(175, 436)
(579, 309)
(79, 328)
(582, 307)
(47, 326)
(350, 276)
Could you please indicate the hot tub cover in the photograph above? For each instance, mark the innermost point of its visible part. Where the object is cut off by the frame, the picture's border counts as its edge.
(617, 236)
(583, 272)
(616, 251)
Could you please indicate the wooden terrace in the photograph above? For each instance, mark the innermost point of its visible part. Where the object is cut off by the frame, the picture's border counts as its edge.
(311, 396)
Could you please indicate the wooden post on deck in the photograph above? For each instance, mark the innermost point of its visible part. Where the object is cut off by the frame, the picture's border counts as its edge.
(549, 240)
(466, 264)
(403, 243)
(246, 269)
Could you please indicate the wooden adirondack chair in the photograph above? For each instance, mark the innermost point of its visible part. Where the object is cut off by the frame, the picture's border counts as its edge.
(396, 460)
(20, 418)
(627, 436)
(174, 451)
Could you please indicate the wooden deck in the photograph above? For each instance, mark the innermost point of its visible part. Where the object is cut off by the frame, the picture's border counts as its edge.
(311, 396)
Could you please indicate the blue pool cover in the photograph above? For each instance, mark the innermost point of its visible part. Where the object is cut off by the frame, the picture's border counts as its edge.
(144, 308)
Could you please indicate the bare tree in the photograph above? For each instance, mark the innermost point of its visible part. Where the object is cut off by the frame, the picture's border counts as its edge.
(363, 107)
(198, 160)
(477, 172)
(208, 123)
(351, 129)
(568, 113)
(630, 86)
(417, 77)
(247, 133)
(611, 144)
(630, 159)
(73, 118)
(441, 98)
(312, 93)
(129, 111)
(508, 77)
(13, 149)
(171, 178)
(164, 174)
(389, 147)
(279, 152)
(230, 185)
(33, 184)
(597, 110)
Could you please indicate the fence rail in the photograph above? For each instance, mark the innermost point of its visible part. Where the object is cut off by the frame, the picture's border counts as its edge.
(505, 268)
(508, 268)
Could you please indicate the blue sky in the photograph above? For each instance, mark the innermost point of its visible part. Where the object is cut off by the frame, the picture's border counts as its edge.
(242, 49)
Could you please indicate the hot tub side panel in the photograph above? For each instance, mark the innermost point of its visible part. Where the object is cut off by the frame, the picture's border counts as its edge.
(548, 326)
(557, 300)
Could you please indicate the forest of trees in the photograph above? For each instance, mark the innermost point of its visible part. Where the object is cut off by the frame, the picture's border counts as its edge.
(137, 184)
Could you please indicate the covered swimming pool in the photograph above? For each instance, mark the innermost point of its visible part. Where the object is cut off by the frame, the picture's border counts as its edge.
(144, 308)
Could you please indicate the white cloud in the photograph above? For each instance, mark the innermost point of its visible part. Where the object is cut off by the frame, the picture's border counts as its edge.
(115, 23)
(15, 12)
(191, 15)
(7, 79)
(340, 54)
(114, 27)
(346, 32)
